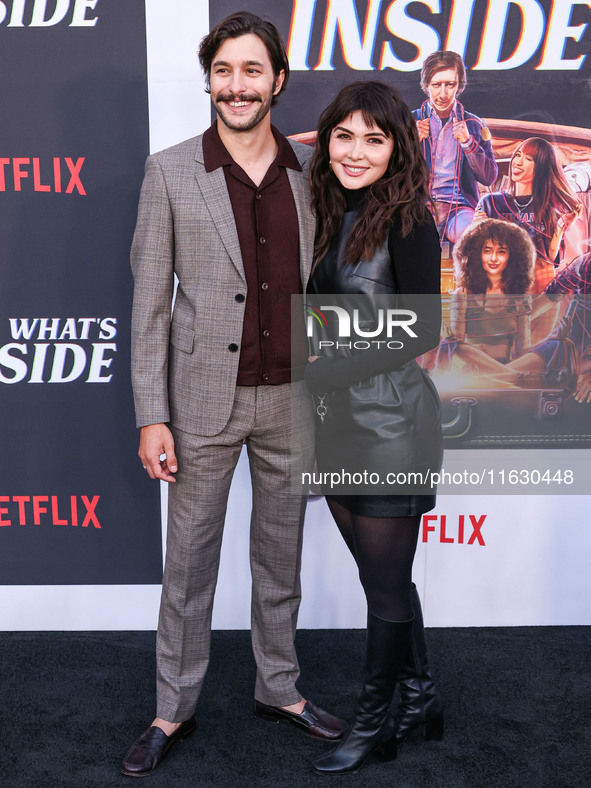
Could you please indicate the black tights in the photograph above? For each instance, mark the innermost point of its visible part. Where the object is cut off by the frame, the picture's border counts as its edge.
(384, 550)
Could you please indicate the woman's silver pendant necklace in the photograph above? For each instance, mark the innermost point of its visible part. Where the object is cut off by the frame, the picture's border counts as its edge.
(321, 409)
(521, 206)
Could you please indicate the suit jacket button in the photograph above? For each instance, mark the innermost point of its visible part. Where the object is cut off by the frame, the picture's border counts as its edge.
(232, 347)
(240, 297)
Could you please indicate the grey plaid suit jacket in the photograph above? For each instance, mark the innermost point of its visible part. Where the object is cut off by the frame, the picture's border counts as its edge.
(182, 369)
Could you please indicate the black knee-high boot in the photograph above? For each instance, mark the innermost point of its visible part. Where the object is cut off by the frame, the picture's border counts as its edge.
(421, 706)
(373, 729)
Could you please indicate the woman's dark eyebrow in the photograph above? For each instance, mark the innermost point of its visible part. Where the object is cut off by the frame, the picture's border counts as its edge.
(369, 133)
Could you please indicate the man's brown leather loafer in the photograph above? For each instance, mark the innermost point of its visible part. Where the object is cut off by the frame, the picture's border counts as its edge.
(148, 752)
(313, 721)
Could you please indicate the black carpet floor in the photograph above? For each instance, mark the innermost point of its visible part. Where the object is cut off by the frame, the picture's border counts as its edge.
(518, 712)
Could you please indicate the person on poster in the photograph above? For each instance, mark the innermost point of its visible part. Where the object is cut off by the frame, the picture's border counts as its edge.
(490, 343)
(227, 212)
(575, 278)
(494, 264)
(540, 200)
(456, 144)
(370, 193)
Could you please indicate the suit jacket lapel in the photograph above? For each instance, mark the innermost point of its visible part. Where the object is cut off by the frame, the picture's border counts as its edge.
(306, 222)
(215, 195)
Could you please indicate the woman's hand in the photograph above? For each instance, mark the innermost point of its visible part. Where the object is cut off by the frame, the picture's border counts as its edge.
(565, 221)
(562, 329)
(562, 225)
(583, 389)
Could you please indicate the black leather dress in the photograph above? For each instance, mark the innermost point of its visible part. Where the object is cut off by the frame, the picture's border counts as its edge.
(389, 411)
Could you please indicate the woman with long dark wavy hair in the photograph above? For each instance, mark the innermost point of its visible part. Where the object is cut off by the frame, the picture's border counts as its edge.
(376, 236)
(492, 314)
(539, 200)
(494, 257)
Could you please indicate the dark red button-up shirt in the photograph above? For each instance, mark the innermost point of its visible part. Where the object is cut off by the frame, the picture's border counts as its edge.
(268, 232)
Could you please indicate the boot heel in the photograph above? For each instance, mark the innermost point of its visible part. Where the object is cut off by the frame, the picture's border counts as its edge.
(433, 729)
(387, 750)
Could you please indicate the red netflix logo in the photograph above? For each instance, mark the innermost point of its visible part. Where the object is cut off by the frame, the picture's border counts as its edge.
(467, 529)
(49, 510)
(42, 177)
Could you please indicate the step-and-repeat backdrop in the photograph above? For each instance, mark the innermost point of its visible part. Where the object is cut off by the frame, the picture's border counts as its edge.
(89, 88)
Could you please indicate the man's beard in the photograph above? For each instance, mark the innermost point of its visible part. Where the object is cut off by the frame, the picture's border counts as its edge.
(246, 124)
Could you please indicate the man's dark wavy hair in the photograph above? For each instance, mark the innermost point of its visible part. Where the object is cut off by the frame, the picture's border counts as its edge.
(518, 274)
(401, 192)
(241, 24)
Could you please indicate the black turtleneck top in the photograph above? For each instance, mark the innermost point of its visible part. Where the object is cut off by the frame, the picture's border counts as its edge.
(410, 265)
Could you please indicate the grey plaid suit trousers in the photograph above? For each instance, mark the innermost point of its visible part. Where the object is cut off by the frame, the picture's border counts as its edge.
(197, 508)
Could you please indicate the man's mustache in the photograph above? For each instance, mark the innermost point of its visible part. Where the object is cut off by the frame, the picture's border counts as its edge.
(234, 97)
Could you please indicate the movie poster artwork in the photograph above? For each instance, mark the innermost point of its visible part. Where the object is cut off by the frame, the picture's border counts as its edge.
(503, 127)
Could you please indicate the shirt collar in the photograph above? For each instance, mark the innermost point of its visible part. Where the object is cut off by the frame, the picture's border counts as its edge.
(216, 155)
(452, 114)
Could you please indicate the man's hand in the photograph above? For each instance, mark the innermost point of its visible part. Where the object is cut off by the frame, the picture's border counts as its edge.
(156, 440)
(460, 130)
(423, 128)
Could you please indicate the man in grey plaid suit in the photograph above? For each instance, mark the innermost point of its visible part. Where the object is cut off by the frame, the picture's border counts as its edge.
(228, 213)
